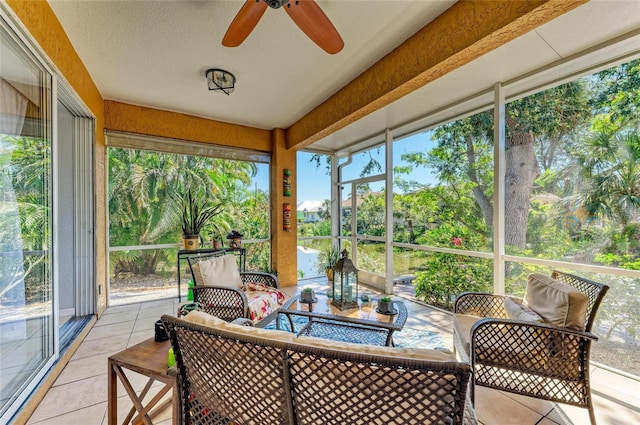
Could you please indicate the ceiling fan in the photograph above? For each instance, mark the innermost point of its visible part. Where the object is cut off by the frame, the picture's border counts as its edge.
(306, 14)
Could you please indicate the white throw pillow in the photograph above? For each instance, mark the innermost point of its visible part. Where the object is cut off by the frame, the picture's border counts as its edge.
(218, 271)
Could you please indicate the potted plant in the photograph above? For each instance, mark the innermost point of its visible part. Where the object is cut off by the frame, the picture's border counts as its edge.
(195, 216)
(385, 305)
(307, 295)
(215, 234)
(327, 259)
(235, 239)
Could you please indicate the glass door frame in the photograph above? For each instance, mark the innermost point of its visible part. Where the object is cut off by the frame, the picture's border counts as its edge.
(336, 206)
(48, 92)
(84, 130)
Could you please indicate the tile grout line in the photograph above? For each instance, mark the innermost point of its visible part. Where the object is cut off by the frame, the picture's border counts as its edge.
(66, 413)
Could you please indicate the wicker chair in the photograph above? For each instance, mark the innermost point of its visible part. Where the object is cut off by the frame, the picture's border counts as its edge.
(268, 377)
(225, 302)
(532, 359)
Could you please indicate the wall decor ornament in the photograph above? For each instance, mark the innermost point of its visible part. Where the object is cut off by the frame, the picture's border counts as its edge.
(286, 182)
(286, 219)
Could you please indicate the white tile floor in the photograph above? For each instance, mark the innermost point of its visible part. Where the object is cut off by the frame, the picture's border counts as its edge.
(79, 395)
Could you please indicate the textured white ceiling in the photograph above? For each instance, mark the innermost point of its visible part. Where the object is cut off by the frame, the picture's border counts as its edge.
(155, 53)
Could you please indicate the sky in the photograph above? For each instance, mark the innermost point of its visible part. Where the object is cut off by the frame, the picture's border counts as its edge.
(314, 183)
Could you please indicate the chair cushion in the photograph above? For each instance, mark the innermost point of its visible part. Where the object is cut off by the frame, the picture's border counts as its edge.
(462, 324)
(376, 350)
(557, 303)
(218, 271)
(517, 311)
(205, 319)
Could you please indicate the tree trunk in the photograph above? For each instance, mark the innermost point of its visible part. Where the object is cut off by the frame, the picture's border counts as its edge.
(520, 174)
(484, 202)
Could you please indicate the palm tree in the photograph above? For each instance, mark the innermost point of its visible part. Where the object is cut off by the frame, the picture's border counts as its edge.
(25, 211)
(611, 170)
(325, 210)
(143, 189)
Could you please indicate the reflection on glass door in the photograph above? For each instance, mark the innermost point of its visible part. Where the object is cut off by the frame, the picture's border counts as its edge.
(371, 209)
(370, 216)
(363, 226)
(26, 308)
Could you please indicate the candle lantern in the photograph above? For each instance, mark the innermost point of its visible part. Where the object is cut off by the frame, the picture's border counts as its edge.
(345, 283)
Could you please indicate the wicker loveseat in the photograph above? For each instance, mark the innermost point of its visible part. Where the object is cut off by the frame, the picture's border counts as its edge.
(232, 374)
(542, 353)
(225, 292)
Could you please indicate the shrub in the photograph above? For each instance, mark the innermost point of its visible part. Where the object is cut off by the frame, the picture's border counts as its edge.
(444, 276)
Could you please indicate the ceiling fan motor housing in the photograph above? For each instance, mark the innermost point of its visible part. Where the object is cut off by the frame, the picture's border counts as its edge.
(276, 4)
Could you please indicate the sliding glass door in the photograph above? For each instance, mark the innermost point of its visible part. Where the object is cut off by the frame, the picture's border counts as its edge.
(26, 288)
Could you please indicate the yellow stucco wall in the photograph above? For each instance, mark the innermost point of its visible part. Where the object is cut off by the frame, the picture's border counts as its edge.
(142, 120)
(284, 243)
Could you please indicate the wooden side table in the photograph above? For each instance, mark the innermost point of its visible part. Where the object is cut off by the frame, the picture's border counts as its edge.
(148, 358)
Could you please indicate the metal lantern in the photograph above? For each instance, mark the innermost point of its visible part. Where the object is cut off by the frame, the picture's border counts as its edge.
(345, 283)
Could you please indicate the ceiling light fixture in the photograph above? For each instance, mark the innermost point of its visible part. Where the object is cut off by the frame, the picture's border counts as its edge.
(221, 80)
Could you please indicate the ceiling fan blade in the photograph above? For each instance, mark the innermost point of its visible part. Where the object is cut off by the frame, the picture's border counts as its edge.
(244, 22)
(315, 24)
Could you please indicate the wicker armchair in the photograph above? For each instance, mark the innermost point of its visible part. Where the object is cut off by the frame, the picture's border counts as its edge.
(256, 376)
(222, 301)
(532, 359)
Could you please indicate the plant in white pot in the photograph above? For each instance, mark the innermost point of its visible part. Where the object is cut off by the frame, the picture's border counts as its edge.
(307, 295)
(195, 215)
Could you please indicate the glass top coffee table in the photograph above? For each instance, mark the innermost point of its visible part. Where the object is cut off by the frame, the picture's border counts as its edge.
(360, 324)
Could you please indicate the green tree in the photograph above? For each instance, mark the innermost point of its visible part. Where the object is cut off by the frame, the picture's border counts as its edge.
(464, 155)
(325, 210)
(443, 276)
(370, 215)
(25, 212)
(611, 168)
(144, 188)
(617, 94)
